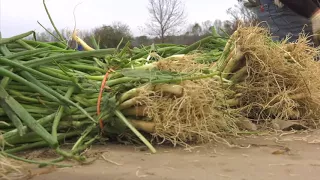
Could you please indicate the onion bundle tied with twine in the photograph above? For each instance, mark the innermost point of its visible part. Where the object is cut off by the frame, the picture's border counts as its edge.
(68, 95)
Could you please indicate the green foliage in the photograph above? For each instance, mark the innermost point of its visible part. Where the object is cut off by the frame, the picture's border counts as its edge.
(111, 35)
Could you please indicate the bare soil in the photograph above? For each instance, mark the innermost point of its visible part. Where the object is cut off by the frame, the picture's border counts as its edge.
(293, 156)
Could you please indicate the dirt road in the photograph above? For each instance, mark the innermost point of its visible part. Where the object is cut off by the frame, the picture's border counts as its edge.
(294, 157)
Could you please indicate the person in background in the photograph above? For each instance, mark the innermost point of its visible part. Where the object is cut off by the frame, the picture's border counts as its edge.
(289, 17)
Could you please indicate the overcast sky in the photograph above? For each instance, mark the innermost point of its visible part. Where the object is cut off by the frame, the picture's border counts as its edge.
(18, 16)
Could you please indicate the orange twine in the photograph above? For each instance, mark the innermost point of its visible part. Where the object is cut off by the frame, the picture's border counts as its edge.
(102, 87)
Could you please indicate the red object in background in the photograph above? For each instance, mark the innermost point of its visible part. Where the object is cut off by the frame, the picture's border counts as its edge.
(261, 8)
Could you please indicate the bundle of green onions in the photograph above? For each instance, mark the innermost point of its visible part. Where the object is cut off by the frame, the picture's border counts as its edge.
(49, 93)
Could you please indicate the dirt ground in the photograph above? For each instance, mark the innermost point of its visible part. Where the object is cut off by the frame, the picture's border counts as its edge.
(277, 157)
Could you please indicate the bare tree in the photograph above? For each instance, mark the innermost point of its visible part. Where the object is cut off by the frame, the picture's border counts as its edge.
(166, 16)
(244, 13)
(207, 27)
(194, 30)
(109, 36)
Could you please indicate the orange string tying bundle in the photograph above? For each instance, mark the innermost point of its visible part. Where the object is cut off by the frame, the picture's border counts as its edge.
(102, 87)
